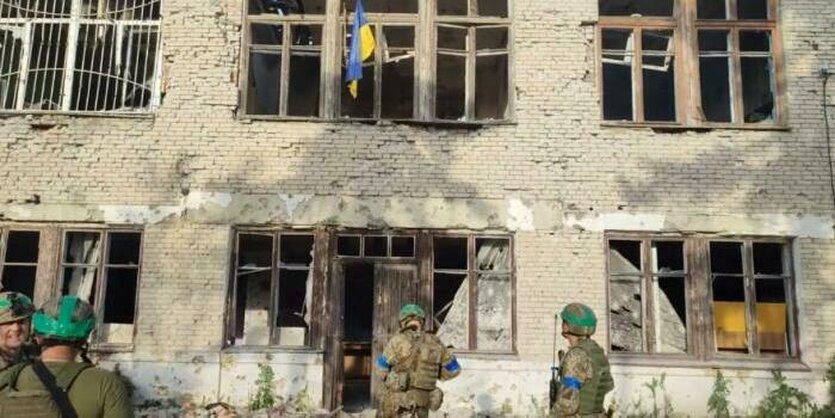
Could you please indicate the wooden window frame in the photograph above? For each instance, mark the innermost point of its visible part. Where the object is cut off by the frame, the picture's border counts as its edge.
(362, 235)
(102, 267)
(312, 333)
(425, 22)
(686, 25)
(701, 349)
(472, 283)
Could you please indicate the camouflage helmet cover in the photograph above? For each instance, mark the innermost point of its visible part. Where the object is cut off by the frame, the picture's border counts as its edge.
(411, 310)
(14, 307)
(66, 318)
(579, 318)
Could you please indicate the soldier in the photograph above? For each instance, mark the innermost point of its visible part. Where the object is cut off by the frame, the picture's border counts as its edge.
(410, 365)
(57, 385)
(15, 312)
(584, 371)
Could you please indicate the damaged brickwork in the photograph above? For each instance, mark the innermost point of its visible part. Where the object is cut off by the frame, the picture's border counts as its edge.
(555, 178)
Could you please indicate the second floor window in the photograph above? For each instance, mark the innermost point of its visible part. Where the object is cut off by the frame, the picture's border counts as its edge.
(691, 63)
(79, 56)
(450, 62)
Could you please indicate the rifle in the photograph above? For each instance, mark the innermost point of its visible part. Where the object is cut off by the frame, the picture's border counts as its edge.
(555, 370)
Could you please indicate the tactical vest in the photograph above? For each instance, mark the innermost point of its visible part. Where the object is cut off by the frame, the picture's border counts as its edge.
(595, 388)
(425, 362)
(38, 403)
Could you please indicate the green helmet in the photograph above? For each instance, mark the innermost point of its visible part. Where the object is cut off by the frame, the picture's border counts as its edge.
(579, 318)
(14, 307)
(411, 310)
(66, 318)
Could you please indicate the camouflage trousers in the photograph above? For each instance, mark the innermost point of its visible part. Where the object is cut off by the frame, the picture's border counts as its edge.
(412, 403)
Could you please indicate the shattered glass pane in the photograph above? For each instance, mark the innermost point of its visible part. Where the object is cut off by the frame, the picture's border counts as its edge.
(635, 7)
(668, 257)
(624, 257)
(82, 248)
(450, 301)
(492, 254)
(253, 303)
(757, 89)
(81, 282)
(625, 314)
(670, 314)
(291, 320)
(493, 315)
(772, 329)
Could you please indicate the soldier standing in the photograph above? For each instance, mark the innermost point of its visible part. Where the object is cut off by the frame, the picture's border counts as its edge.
(410, 365)
(57, 385)
(584, 371)
(15, 312)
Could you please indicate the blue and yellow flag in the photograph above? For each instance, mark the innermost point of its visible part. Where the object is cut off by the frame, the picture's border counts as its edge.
(362, 46)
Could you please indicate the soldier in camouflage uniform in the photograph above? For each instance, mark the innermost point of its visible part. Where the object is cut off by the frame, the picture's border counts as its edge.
(584, 371)
(410, 365)
(15, 312)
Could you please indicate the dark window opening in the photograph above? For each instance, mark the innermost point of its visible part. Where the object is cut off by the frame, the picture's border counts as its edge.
(385, 6)
(376, 246)
(450, 253)
(348, 245)
(669, 257)
(624, 257)
(124, 248)
(636, 7)
(752, 9)
(296, 249)
(255, 250)
(712, 9)
(19, 279)
(22, 247)
(768, 258)
(726, 258)
(359, 302)
(402, 246)
(120, 295)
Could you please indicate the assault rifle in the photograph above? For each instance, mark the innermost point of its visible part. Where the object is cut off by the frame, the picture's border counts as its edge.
(555, 370)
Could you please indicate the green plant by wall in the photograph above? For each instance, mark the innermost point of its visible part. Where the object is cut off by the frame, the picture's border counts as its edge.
(264, 396)
(718, 403)
(662, 404)
(784, 400)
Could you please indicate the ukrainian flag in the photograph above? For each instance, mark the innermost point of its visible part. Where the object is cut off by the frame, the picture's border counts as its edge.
(362, 46)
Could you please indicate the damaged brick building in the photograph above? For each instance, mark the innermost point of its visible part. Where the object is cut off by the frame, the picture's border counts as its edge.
(198, 170)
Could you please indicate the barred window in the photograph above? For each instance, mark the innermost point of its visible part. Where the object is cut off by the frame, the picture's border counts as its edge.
(79, 56)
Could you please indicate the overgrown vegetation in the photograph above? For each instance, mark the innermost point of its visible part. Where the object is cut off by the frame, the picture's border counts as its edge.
(264, 396)
(784, 400)
(662, 404)
(719, 403)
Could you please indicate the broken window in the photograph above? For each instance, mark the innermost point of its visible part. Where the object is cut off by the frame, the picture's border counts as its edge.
(386, 90)
(102, 267)
(647, 296)
(736, 83)
(273, 279)
(472, 72)
(19, 261)
(80, 56)
(658, 286)
(375, 246)
(750, 297)
(472, 292)
(467, 81)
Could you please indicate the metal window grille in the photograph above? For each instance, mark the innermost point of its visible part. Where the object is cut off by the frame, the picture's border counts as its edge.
(80, 56)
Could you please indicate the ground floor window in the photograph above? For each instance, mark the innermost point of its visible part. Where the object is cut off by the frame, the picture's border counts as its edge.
(660, 287)
(100, 265)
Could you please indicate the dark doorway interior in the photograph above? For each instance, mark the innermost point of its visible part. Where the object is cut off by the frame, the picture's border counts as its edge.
(358, 322)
